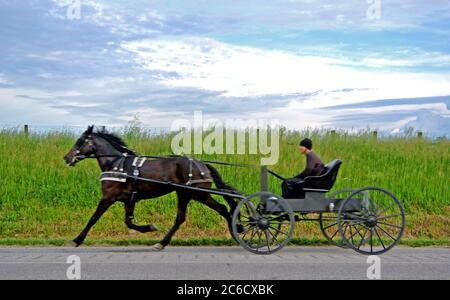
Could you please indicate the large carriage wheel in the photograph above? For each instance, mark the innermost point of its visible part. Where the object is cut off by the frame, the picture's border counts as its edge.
(329, 220)
(374, 224)
(263, 223)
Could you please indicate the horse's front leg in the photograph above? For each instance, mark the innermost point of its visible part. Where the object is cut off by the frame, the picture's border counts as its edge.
(183, 200)
(102, 207)
(129, 215)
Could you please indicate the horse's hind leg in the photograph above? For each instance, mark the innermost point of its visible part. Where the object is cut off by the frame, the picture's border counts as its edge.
(104, 204)
(183, 201)
(213, 204)
(129, 215)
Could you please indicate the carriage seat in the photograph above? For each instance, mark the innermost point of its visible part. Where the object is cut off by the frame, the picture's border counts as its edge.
(325, 181)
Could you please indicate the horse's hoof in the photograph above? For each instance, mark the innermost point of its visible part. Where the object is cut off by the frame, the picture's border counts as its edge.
(73, 244)
(156, 247)
(152, 227)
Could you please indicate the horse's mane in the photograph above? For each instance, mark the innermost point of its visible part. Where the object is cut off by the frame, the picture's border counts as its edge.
(115, 141)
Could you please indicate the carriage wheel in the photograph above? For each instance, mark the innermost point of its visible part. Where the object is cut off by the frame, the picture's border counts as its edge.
(329, 221)
(374, 224)
(261, 231)
(330, 229)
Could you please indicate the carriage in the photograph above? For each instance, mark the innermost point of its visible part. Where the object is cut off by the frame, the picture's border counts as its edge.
(369, 220)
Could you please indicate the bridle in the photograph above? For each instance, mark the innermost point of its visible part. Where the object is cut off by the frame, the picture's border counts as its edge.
(78, 157)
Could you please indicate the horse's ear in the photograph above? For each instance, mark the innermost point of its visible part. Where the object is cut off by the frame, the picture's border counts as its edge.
(90, 129)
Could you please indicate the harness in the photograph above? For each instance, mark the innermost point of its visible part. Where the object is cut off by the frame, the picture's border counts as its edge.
(203, 172)
(119, 175)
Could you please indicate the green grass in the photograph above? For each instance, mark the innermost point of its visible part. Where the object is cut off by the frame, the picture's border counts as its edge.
(41, 199)
(313, 241)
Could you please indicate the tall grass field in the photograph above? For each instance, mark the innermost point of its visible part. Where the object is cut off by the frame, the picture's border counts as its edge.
(42, 201)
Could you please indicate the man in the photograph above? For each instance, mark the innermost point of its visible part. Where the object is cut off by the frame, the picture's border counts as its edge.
(293, 187)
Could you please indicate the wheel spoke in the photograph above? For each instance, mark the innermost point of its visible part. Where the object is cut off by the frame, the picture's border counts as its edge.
(362, 239)
(357, 230)
(248, 229)
(259, 237)
(353, 222)
(274, 237)
(282, 223)
(354, 215)
(345, 229)
(379, 238)
(371, 240)
(267, 239)
(279, 230)
(353, 234)
(334, 224)
(334, 234)
(252, 236)
(385, 232)
(391, 225)
(278, 216)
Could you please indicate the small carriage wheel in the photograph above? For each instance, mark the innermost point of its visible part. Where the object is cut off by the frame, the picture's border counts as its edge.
(263, 223)
(374, 224)
(329, 226)
(329, 221)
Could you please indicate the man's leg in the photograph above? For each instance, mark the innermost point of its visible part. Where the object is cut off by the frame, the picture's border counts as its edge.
(290, 189)
(285, 189)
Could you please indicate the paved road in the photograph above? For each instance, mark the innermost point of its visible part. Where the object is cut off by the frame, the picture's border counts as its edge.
(220, 263)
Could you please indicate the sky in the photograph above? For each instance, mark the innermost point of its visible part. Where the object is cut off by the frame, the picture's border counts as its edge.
(345, 64)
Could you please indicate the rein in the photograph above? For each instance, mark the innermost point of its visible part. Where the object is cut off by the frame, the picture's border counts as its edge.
(81, 157)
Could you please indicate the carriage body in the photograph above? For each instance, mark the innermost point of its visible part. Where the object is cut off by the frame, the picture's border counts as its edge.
(369, 220)
(315, 202)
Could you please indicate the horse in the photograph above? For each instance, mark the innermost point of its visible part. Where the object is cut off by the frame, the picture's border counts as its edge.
(114, 155)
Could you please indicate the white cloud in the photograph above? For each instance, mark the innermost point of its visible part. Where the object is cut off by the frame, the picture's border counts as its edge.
(418, 59)
(244, 71)
(432, 118)
(3, 79)
(17, 109)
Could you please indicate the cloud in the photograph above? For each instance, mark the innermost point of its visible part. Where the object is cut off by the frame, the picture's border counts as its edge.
(181, 17)
(20, 107)
(238, 71)
(431, 124)
(166, 60)
(4, 81)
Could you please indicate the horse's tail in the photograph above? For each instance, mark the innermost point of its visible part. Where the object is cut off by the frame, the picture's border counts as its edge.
(223, 185)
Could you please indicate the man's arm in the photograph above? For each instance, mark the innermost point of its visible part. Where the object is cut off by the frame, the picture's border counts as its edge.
(308, 169)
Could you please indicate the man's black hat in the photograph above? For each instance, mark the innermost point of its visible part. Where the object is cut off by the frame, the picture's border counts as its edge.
(307, 143)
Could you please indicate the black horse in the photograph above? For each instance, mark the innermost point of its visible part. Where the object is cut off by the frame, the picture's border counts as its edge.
(113, 155)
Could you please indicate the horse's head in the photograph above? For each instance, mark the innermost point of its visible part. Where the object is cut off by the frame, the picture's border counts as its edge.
(84, 146)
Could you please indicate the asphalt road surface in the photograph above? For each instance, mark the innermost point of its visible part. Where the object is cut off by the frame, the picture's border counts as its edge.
(219, 263)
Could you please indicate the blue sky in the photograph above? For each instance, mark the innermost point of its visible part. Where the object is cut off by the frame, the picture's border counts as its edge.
(304, 62)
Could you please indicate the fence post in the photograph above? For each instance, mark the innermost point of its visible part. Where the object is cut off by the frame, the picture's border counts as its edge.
(263, 179)
(419, 134)
(375, 134)
(25, 129)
